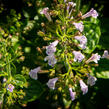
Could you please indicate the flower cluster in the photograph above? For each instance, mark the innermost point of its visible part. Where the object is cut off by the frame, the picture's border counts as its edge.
(50, 50)
(73, 56)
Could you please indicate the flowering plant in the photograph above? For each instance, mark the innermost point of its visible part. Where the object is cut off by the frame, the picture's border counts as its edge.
(72, 38)
(68, 58)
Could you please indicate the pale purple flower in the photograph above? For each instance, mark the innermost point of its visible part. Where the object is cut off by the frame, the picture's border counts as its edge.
(106, 54)
(33, 73)
(51, 83)
(72, 94)
(91, 80)
(46, 13)
(92, 13)
(83, 86)
(79, 26)
(82, 40)
(10, 87)
(54, 43)
(65, 1)
(51, 60)
(70, 4)
(94, 57)
(51, 48)
(78, 56)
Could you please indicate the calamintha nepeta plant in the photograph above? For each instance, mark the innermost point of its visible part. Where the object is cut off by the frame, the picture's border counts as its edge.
(12, 82)
(72, 38)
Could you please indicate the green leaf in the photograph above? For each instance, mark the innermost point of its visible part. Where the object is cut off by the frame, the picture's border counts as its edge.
(103, 70)
(3, 74)
(67, 103)
(1, 95)
(19, 80)
(103, 74)
(33, 91)
(92, 32)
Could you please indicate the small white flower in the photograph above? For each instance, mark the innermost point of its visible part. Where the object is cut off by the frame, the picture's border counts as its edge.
(91, 80)
(10, 87)
(83, 86)
(33, 73)
(51, 83)
(82, 40)
(94, 57)
(46, 13)
(72, 94)
(79, 26)
(78, 56)
(106, 54)
(92, 13)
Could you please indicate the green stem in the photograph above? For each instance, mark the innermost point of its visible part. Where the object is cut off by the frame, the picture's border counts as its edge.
(8, 67)
(78, 2)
